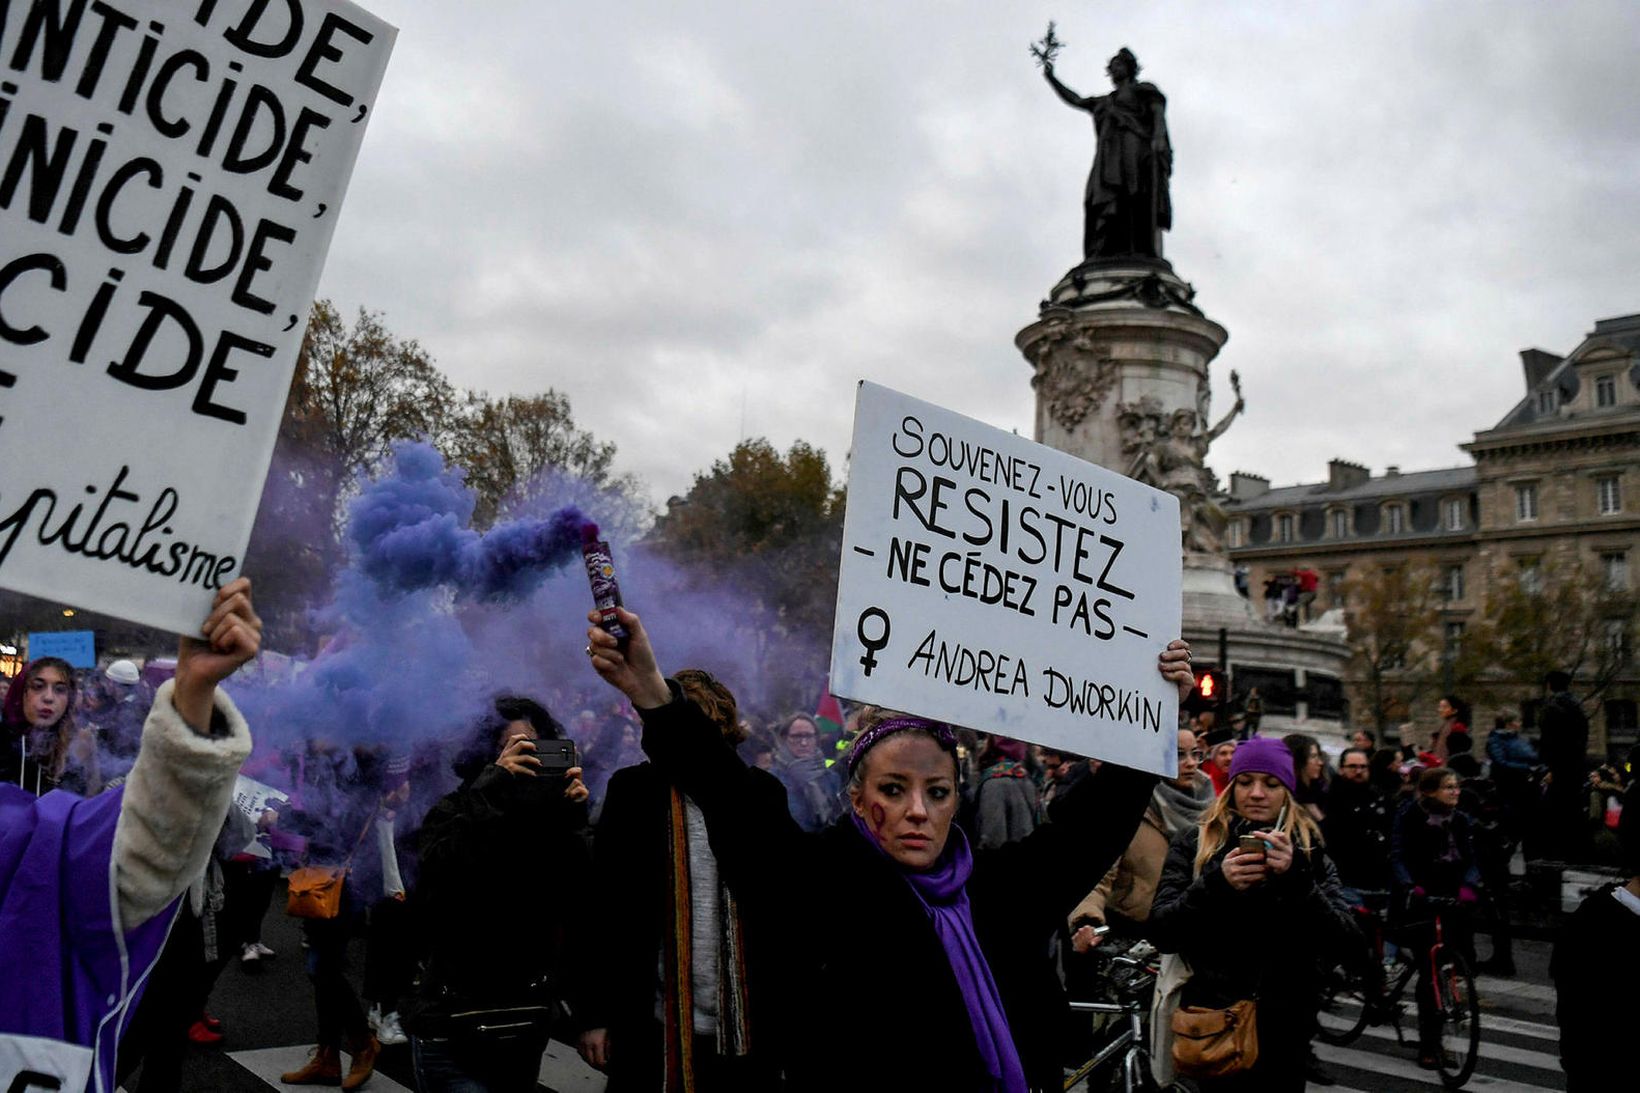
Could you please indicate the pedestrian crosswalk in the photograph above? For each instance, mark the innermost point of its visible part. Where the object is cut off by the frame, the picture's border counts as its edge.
(1518, 1052)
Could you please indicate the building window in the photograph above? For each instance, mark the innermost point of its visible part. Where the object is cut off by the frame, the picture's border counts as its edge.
(1617, 639)
(1284, 528)
(1609, 494)
(1454, 514)
(1547, 401)
(1395, 519)
(1605, 391)
(1615, 568)
(1340, 524)
(1452, 582)
(1335, 588)
(1526, 501)
(1622, 718)
(1238, 536)
(1454, 636)
(1531, 576)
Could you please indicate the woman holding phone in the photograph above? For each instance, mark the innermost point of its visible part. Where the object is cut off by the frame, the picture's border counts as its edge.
(504, 872)
(1252, 902)
(940, 957)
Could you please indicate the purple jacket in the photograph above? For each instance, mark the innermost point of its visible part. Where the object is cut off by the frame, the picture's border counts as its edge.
(69, 978)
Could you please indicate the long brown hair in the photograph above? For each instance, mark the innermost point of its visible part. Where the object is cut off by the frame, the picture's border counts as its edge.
(1215, 829)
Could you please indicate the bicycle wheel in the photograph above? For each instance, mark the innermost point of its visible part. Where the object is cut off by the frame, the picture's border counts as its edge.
(1460, 1013)
(1348, 998)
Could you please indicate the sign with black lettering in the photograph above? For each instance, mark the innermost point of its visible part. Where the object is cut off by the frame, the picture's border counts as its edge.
(1005, 586)
(170, 177)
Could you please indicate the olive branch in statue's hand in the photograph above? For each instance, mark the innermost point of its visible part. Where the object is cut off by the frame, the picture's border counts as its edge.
(1048, 48)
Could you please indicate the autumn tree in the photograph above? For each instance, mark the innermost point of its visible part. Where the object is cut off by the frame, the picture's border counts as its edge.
(358, 389)
(1393, 617)
(776, 523)
(1554, 614)
(506, 444)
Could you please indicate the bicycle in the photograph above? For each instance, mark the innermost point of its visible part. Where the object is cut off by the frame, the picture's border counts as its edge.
(1377, 992)
(1121, 1056)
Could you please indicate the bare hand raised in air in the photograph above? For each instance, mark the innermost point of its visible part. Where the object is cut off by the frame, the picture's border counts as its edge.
(230, 636)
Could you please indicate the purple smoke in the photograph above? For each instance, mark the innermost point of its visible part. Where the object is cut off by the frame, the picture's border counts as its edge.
(410, 532)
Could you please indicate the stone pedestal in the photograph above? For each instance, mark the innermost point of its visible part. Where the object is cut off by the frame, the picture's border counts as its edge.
(1119, 337)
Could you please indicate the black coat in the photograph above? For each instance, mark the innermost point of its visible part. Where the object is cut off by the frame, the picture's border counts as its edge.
(1595, 967)
(868, 1001)
(1265, 940)
(502, 896)
(1357, 830)
(1421, 856)
(1564, 743)
(634, 914)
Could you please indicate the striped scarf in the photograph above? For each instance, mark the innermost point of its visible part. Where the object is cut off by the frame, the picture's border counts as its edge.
(733, 1031)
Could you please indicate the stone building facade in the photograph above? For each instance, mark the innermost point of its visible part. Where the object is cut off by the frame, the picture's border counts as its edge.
(1557, 478)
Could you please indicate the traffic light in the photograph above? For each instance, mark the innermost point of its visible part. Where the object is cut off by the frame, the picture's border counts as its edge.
(1211, 693)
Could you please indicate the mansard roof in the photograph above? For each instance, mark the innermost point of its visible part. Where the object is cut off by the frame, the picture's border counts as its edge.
(1446, 480)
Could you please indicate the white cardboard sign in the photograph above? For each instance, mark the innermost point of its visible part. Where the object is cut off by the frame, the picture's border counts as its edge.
(1005, 586)
(170, 178)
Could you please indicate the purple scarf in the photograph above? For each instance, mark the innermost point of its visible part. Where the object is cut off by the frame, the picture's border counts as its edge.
(943, 893)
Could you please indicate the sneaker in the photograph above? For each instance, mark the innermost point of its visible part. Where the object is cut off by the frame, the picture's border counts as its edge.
(212, 1023)
(1318, 1073)
(249, 955)
(389, 1031)
(199, 1034)
(374, 1019)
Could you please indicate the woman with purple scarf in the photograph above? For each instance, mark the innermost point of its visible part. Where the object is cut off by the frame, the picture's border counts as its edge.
(939, 951)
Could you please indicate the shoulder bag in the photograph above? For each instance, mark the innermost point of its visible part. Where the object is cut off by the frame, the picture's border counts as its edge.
(316, 890)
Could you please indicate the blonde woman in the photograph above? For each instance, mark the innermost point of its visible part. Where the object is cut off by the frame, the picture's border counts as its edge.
(1255, 923)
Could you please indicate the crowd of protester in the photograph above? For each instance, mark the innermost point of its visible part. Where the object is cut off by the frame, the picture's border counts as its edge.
(700, 880)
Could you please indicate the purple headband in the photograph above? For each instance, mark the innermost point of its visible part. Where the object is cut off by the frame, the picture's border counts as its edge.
(944, 735)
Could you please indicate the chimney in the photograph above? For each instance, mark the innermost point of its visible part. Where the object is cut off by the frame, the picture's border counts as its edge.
(1537, 363)
(1245, 487)
(1392, 471)
(1344, 475)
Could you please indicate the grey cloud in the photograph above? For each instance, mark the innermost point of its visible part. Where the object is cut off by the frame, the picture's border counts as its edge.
(671, 213)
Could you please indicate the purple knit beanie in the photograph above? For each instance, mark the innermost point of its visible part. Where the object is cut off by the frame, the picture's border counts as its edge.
(1265, 755)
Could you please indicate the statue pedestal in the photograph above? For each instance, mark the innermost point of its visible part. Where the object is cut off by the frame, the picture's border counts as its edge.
(1119, 341)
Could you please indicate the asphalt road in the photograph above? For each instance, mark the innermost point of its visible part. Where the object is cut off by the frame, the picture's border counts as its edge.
(267, 1013)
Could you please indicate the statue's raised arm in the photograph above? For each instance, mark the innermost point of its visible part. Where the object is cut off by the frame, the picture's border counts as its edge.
(1064, 92)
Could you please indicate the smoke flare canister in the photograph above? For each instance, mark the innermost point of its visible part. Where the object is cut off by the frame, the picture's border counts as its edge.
(606, 594)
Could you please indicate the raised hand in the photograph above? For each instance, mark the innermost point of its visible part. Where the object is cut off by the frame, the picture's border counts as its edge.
(634, 673)
(230, 636)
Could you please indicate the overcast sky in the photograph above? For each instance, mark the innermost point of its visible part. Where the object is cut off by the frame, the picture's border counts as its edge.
(705, 222)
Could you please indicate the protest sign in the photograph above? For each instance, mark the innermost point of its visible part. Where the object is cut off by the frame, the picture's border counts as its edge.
(1005, 586)
(254, 798)
(170, 178)
(78, 647)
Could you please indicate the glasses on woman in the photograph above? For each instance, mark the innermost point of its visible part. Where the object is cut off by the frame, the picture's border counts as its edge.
(1196, 755)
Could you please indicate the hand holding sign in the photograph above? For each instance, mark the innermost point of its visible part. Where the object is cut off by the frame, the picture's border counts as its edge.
(232, 635)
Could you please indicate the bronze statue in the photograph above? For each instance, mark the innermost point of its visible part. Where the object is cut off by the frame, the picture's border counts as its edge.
(1126, 205)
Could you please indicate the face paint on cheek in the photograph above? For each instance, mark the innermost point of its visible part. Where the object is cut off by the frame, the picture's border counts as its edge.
(879, 817)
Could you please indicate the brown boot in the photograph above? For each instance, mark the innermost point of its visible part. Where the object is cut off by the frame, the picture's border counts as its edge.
(325, 1068)
(364, 1064)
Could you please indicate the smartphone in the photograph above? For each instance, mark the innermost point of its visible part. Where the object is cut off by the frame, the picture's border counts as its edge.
(556, 756)
(1251, 844)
